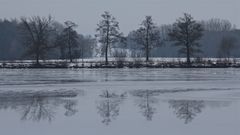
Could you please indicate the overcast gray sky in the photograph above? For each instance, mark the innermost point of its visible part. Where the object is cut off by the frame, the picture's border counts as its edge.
(86, 13)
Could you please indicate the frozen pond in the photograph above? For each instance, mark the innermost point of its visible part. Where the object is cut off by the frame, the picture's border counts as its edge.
(120, 101)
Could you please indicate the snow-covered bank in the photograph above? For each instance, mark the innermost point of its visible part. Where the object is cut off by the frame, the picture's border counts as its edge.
(125, 62)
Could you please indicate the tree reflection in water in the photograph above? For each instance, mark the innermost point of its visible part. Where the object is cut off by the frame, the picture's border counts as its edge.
(70, 107)
(146, 102)
(187, 109)
(39, 106)
(108, 106)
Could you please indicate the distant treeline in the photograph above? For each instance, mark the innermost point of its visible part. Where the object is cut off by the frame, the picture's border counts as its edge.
(44, 38)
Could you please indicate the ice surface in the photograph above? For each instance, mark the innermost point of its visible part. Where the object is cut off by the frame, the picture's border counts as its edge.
(120, 101)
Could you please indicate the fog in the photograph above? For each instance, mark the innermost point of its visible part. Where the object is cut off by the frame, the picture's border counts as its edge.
(86, 13)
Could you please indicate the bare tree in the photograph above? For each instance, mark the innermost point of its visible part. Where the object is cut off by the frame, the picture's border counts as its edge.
(146, 102)
(87, 45)
(59, 40)
(108, 33)
(187, 109)
(36, 31)
(71, 38)
(120, 57)
(216, 24)
(186, 33)
(109, 106)
(164, 30)
(226, 47)
(39, 105)
(148, 36)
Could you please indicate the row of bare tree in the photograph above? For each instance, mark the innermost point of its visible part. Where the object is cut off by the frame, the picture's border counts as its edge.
(185, 33)
(41, 34)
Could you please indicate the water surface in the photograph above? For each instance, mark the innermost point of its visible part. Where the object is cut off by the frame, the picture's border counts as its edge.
(120, 101)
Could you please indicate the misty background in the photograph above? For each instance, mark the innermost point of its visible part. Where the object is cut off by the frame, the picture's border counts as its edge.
(129, 13)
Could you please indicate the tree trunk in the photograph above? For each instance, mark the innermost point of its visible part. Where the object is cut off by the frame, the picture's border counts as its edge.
(147, 55)
(37, 60)
(82, 56)
(106, 55)
(69, 46)
(188, 56)
(107, 45)
(70, 53)
(147, 45)
(37, 56)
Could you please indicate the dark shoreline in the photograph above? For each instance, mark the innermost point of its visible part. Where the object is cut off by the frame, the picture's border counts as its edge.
(96, 66)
